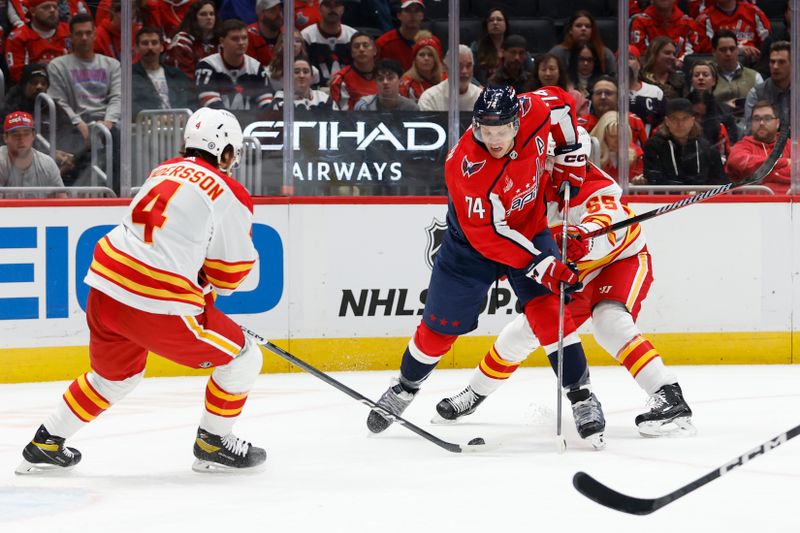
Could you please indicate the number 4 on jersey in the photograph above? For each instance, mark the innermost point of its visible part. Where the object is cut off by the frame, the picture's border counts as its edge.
(149, 211)
(475, 205)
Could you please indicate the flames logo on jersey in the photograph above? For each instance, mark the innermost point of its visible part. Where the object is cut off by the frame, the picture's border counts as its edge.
(468, 168)
(525, 104)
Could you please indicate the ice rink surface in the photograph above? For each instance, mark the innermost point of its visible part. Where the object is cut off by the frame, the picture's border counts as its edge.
(324, 474)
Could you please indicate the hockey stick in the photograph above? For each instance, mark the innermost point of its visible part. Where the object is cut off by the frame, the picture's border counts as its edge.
(757, 176)
(561, 444)
(594, 490)
(474, 444)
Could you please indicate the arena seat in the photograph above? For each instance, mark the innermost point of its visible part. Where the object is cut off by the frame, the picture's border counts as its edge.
(608, 31)
(470, 31)
(564, 9)
(540, 33)
(772, 8)
(512, 8)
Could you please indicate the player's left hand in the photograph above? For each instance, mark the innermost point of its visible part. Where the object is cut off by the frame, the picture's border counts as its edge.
(577, 248)
(569, 172)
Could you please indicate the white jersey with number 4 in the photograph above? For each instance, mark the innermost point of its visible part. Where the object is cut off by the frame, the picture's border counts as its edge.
(188, 230)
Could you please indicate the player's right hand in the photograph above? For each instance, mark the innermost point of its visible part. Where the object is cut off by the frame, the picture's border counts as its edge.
(551, 273)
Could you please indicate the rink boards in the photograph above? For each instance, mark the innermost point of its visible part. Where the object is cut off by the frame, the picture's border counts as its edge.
(340, 283)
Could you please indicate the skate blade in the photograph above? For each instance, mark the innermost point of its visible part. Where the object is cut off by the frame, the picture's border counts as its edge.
(439, 420)
(210, 467)
(598, 441)
(26, 468)
(680, 427)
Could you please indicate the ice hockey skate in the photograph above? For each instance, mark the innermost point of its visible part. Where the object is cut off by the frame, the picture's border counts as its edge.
(226, 454)
(394, 400)
(588, 414)
(462, 404)
(47, 454)
(669, 414)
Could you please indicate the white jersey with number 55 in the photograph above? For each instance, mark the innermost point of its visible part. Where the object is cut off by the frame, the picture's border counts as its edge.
(188, 230)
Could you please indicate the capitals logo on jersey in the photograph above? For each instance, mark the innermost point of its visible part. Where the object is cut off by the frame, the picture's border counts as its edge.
(468, 168)
(525, 104)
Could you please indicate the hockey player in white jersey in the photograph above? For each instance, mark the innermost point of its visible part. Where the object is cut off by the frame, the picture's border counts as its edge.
(185, 237)
(616, 272)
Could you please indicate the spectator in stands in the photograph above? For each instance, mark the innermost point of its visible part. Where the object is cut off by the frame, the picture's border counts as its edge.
(584, 68)
(20, 164)
(398, 44)
(426, 70)
(777, 88)
(304, 96)
(606, 131)
(275, 67)
(38, 42)
(664, 18)
(155, 85)
(353, 82)
(696, 7)
(659, 67)
(145, 13)
(513, 71)
(735, 80)
(231, 79)
(678, 154)
(238, 9)
(702, 76)
(604, 98)
(646, 100)
(328, 41)
(751, 152)
(714, 124)
(169, 14)
(70, 145)
(19, 11)
(748, 22)
(196, 38)
(487, 51)
(306, 13)
(264, 34)
(551, 71)
(109, 35)
(580, 30)
(388, 98)
(437, 97)
(86, 84)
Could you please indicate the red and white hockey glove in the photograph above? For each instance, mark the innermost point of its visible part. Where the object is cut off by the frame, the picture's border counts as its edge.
(569, 170)
(576, 248)
(551, 273)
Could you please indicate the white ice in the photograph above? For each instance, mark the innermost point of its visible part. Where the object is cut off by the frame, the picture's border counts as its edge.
(325, 474)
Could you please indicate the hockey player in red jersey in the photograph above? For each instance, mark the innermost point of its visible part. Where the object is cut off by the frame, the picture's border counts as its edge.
(497, 226)
(185, 237)
(616, 272)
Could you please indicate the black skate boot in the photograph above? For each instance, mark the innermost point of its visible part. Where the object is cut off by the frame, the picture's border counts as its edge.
(462, 404)
(47, 454)
(668, 415)
(588, 414)
(225, 454)
(394, 400)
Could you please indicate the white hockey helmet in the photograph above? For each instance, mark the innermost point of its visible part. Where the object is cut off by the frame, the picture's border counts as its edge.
(212, 130)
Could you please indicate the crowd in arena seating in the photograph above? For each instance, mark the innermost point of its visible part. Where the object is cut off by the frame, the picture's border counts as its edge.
(707, 78)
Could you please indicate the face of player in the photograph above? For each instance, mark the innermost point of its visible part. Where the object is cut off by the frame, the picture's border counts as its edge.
(411, 17)
(234, 46)
(272, 18)
(779, 66)
(498, 139)
(331, 12)
(363, 51)
(496, 24)
(149, 47)
(604, 97)
(83, 36)
(765, 125)
(302, 77)
(548, 72)
(424, 60)
(46, 15)
(680, 124)
(703, 78)
(38, 84)
(581, 30)
(388, 85)
(19, 142)
(206, 18)
(726, 55)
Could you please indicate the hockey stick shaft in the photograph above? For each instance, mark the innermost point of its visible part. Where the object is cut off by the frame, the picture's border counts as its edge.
(561, 311)
(757, 176)
(449, 446)
(596, 491)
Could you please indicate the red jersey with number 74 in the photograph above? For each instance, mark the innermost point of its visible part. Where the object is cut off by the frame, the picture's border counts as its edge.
(497, 205)
(187, 231)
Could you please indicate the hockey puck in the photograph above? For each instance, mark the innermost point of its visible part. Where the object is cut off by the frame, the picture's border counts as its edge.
(476, 441)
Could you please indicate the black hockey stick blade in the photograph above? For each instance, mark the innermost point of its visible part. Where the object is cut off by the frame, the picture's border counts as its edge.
(596, 491)
(476, 444)
(757, 176)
